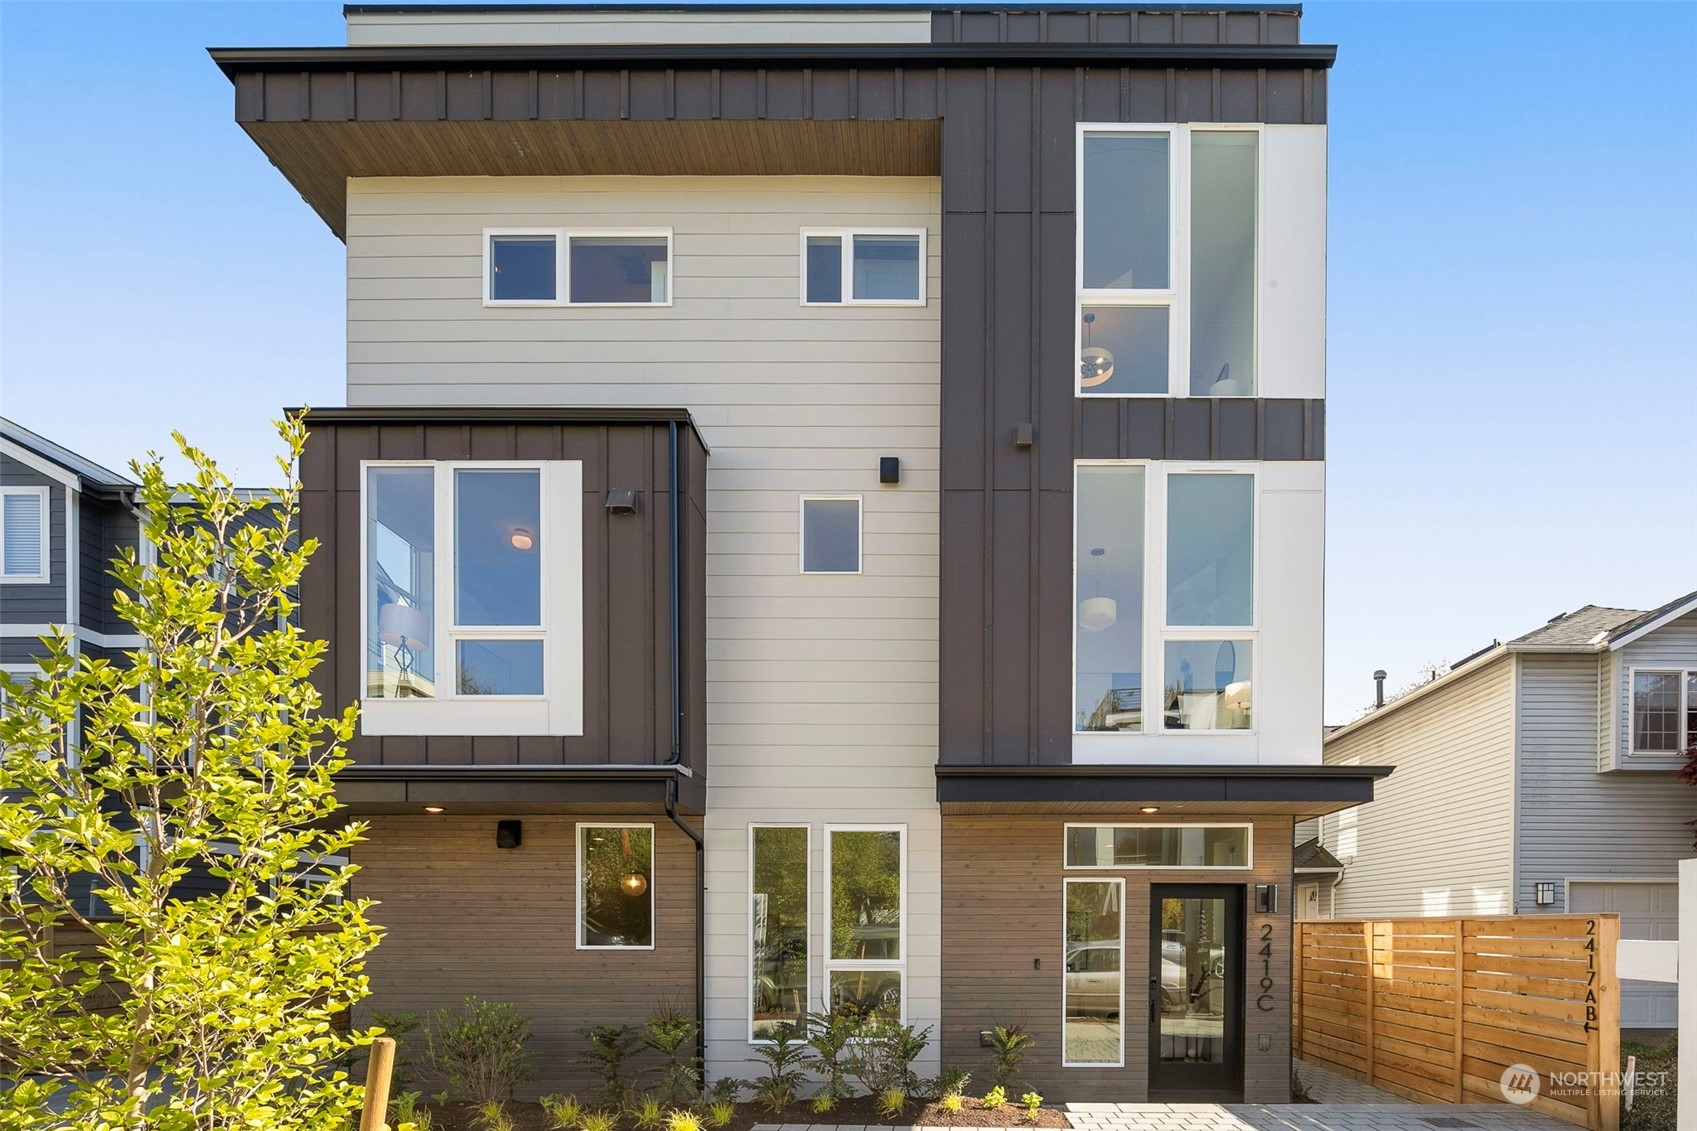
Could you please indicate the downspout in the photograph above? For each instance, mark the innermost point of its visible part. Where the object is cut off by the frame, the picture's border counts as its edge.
(675, 517)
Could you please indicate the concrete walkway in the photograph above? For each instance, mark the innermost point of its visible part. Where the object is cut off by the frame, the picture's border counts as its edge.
(1328, 1087)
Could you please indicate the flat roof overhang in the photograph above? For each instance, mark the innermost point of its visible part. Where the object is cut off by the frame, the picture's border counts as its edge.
(513, 790)
(1296, 791)
(323, 115)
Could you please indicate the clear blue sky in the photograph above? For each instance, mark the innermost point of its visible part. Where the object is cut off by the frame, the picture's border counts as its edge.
(1513, 371)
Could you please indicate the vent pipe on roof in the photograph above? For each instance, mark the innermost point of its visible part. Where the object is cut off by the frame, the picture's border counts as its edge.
(1378, 689)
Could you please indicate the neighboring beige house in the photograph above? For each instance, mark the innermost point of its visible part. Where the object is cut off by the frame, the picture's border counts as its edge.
(1535, 777)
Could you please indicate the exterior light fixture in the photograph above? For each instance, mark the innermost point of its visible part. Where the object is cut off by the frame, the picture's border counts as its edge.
(1150, 809)
(432, 808)
(522, 539)
(633, 884)
(1098, 612)
(1544, 893)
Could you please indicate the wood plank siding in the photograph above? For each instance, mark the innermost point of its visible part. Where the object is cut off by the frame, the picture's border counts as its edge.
(1003, 954)
(627, 595)
(1438, 837)
(463, 917)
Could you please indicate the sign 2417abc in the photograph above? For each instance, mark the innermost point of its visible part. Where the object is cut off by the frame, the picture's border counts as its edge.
(1520, 1083)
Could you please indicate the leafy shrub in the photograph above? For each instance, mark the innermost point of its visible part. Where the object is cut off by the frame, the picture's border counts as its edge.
(479, 1052)
(786, 1055)
(599, 1121)
(882, 1054)
(828, 1035)
(720, 1113)
(492, 1116)
(682, 1119)
(564, 1112)
(1032, 1102)
(400, 1026)
(609, 1047)
(405, 1112)
(952, 1103)
(726, 1089)
(648, 1112)
(995, 1098)
(671, 1033)
(1009, 1045)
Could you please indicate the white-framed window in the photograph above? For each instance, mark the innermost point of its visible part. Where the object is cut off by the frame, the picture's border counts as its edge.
(1093, 977)
(24, 515)
(866, 919)
(472, 607)
(1165, 595)
(779, 925)
(1168, 231)
(1664, 710)
(1145, 845)
(615, 886)
(863, 267)
(830, 534)
(577, 267)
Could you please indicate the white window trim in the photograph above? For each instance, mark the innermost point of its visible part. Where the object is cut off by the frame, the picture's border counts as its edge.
(1156, 631)
(562, 265)
(44, 565)
(831, 965)
(1119, 1061)
(859, 536)
(807, 882)
(582, 828)
(1684, 708)
(847, 236)
(1249, 846)
(559, 710)
(1176, 298)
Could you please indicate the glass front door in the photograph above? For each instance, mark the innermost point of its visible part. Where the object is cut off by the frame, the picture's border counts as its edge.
(1196, 991)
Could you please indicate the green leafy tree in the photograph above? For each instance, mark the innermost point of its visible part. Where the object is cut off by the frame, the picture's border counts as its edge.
(202, 755)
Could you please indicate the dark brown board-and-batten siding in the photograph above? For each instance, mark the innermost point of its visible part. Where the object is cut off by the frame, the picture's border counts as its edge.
(626, 577)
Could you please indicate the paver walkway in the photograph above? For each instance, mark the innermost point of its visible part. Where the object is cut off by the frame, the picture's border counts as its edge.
(1328, 1087)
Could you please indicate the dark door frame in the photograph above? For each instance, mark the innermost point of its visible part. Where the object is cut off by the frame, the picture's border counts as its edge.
(1223, 1082)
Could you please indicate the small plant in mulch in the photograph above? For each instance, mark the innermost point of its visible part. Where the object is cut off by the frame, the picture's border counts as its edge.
(1009, 1046)
(995, 1098)
(1032, 1101)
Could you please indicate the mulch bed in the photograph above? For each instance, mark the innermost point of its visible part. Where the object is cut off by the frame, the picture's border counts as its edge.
(857, 1112)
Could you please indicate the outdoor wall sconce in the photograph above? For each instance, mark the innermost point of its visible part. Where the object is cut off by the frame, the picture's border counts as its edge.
(624, 500)
(889, 469)
(1266, 899)
(1544, 893)
(509, 834)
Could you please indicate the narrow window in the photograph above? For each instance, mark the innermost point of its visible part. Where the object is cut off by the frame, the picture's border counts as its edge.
(1222, 263)
(1691, 708)
(1108, 605)
(1093, 985)
(1157, 846)
(522, 268)
(400, 589)
(1210, 550)
(866, 960)
(778, 918)
(1125, 322)
(620, 270)
(875, 268)
(615, 866)
(830, 535)
(1655, 712)
(498, 581)
(23, 533)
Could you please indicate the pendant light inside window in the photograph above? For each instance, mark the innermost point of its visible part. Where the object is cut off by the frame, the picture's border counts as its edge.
(1097, 612)
(1095, 364)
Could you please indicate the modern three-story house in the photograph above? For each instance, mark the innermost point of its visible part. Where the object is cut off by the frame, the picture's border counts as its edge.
(829, 513)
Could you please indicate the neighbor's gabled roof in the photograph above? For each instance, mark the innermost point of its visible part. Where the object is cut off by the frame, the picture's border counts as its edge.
(92, 475)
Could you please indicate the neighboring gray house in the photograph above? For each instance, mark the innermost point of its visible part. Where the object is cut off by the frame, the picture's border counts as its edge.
(62, 520)
(1535, 777)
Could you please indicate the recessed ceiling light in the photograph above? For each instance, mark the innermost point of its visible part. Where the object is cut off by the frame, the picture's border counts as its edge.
(1151, 809)
(432, 808)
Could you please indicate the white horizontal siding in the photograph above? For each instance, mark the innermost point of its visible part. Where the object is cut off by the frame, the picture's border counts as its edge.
(1437, 839)
(822, 691)
(1574, 822)
(1673, 646)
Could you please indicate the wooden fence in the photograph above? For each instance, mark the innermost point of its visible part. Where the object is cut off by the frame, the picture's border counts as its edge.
(1435, 1010)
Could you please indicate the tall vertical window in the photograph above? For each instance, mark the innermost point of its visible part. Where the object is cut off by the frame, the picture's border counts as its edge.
(1093, 985)
(778, 922)
(1664, 711)
(23, 534)
(1167, 238)
(1108, 619)
(615, 884)
(866, 959)
(1193, 671)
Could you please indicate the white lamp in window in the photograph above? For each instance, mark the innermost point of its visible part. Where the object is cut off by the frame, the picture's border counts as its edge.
(1095, 364)
(1098, 612)
(405, 628)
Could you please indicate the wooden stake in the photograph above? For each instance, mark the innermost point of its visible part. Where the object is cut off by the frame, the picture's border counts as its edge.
(378, 1069)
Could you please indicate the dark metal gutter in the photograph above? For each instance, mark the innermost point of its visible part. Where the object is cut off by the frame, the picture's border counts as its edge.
(239, 60)
(1063, 784)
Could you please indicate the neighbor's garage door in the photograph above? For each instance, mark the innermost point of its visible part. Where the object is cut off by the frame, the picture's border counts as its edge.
(1647, 911)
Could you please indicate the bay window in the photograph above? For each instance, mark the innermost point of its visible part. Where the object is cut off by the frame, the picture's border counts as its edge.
(1664, 711)
(1167, 232)
(472, 598)
(1164, 641)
